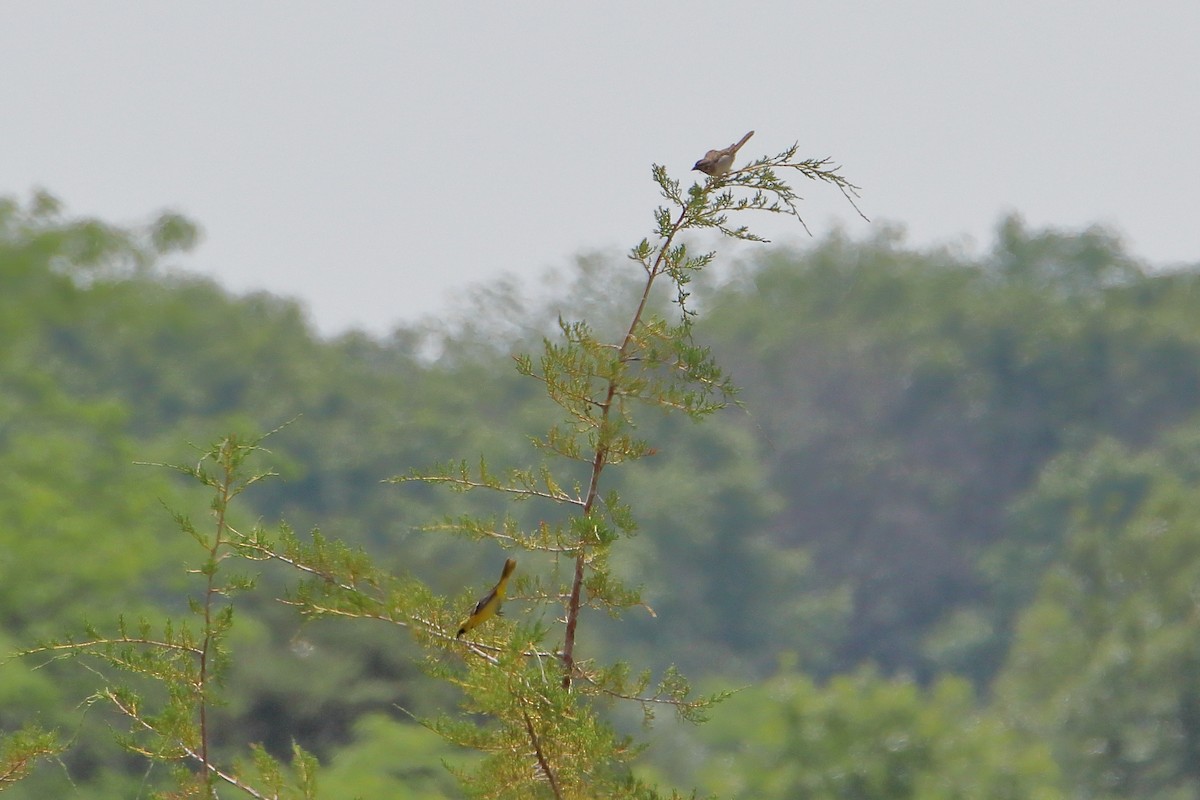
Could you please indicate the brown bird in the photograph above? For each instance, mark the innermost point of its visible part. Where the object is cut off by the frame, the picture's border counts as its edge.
(719, 162)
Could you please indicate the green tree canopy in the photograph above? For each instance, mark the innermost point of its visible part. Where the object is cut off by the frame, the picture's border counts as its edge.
(864, 737)
(1106, 662)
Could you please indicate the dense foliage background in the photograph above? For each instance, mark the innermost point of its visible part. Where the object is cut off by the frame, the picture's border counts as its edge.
(951, 542)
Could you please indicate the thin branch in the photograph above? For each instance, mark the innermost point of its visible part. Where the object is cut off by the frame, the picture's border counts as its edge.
(322, 610)
(202, 760)
(524, 542)
(328, 577)
(543, 764)
(644, 700)
(467, 483)
(601, 454)
(74, 646)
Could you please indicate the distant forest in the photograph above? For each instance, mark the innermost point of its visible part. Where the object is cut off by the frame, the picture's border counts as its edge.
(958, 493)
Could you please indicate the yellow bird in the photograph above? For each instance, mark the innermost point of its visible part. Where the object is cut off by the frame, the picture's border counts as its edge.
(489, 606)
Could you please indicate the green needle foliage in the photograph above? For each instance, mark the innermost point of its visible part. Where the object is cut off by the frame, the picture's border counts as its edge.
(533, 703)
(535, 706)
(20, 751)
(165, 681)
(546, 738)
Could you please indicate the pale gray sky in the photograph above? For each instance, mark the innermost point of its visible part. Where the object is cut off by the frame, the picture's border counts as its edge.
(376, 159)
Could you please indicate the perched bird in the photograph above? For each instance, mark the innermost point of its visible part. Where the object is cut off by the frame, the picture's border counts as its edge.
(719, 162)
(489, 606)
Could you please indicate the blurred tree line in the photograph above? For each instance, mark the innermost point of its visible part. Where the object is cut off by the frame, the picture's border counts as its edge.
(950, 541)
